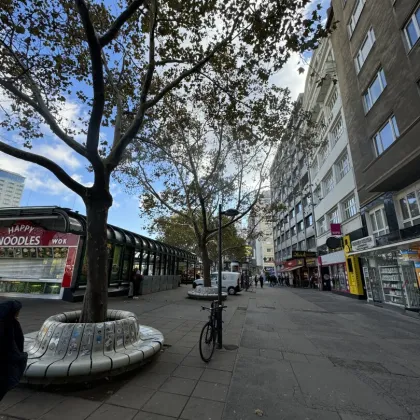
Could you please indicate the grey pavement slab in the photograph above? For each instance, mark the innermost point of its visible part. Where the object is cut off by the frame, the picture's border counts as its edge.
(131, 396)
(339, 389)
(216, 376)
(166, 404)
(210, 391)
(180, 386)
(149, 380)
(72, 409)
(198, 408)
(35, 406)
(188, 372)
(112, 412)
(142, 415)
(13, 397)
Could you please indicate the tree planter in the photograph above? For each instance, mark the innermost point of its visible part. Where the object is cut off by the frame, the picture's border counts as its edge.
(205, 293)
(64, 350)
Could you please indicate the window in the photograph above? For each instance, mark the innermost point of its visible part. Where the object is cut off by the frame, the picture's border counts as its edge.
(300, 226)
(309, 221)
(311, 242)
(298, 208)
(337, 131)
(364, 50)
(378, 222)
(293, 231)
(269, 250)
(374, 90)
(328, 183)
(318, 193)
(343, 166)
(386, 135)
(412, 29)
(323, 153)
(302, 246)
(332, 99)
(334, 216)
(349, 207)
(322, 226)
(357, 11)
(292, 213)
(288, 234)
(410, 208)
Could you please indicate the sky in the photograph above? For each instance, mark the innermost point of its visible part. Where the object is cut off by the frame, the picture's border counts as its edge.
(43, 189)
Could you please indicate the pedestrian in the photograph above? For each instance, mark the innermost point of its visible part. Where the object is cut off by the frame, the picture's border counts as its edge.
(138, 279)
(256, 280)
(12, 357)
(261, 281)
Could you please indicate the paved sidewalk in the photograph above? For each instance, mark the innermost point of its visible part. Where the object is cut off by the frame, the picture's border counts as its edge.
(303, 355)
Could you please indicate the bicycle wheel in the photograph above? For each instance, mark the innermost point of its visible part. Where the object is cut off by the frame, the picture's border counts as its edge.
(207, 342)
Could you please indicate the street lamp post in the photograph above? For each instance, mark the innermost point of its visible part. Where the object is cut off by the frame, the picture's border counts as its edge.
(230, 213)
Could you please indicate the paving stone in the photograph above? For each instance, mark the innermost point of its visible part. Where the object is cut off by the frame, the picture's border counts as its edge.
(211, 391)
(13, 397)
(149, 380)
(249, 352)
(188, 372)
(166, 404)
(35, 406)
(72, 409)
(295, 357)
(194, 361)
(319, 360)
(271, 354)
(142, 415)
(131, 396)
(216, 376)
(199, 409)
(162, 368)
(112, 412)
(180, 386)
(178, 349)
(171, 357)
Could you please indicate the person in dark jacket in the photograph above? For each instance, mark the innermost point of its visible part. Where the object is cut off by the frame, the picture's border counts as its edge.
(12, 357)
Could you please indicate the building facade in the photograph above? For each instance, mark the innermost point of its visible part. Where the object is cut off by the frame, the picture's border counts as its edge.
(332, 180)
(294, 230)
(262, 245)
(11, 188)
(377, 53)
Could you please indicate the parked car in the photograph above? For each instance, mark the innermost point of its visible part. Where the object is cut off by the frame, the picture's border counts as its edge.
(230, 282)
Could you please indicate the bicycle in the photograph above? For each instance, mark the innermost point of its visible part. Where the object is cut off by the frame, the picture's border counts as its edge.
(249, 286)
(208, 334)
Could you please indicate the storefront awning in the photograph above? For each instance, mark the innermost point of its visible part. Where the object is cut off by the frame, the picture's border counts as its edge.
(286, 270)
(388, 247)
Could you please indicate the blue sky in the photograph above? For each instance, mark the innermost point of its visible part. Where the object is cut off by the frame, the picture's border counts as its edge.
(43, 189)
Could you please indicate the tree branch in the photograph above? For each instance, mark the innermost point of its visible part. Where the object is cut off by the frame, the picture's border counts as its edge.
(46, 163)
(112, 32)
(92, 140)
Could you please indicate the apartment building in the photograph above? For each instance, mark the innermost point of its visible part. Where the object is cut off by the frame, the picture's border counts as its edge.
(293, 227)
(11, 188)
(262, 246)
(377, 53)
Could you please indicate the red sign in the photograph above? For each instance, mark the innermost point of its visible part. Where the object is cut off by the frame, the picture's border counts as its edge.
(293, 263)
(335, 229)
(26, 234)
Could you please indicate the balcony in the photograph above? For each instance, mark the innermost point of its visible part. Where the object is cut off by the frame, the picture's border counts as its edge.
(326, 82)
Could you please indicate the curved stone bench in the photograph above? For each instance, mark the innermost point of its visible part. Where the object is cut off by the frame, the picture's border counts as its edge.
(206, 293)
(64, 350)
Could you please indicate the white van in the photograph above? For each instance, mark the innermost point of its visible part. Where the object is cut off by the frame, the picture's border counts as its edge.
(231, 282)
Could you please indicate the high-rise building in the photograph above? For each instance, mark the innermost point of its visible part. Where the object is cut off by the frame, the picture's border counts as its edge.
(11, 188)
(262, 244)
(293, 225)
(377, 53)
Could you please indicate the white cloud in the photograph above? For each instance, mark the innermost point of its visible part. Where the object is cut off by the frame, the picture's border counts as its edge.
(289, 76)
(59, 153)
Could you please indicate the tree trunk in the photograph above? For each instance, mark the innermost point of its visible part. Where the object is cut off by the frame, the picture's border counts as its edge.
(206, 265)
(95, 303)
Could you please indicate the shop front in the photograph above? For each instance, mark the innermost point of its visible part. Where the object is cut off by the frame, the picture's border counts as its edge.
(295, 272)
(35, 261)
(43, 254)
(391, 274)
(334, 269)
